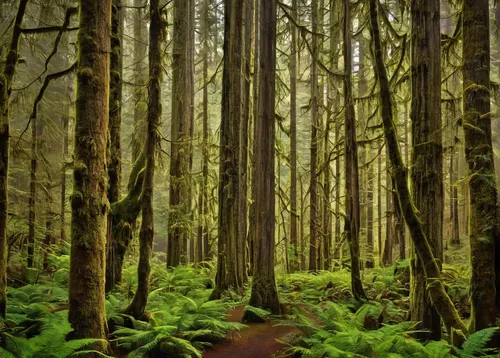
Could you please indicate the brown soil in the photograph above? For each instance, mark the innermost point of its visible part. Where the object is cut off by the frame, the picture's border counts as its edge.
(258, 340)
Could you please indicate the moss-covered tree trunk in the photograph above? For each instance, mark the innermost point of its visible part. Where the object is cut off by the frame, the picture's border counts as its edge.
(435, 288)
(146, 233)
(352, 210)
(122, 220)
(203, 235)
(113, 243)
(248, 22)
(140, 77)
(294, 216)
(480, 161)
(329, 248)
(89, 201)
(36, 147)
(230, 273)
(314, 207)
(251, 212)
(179, 199)
(6, 77)
(379, 208)
(427, 153)
(264, 293)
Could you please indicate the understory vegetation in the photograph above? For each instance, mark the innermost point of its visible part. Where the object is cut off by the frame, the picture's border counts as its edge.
(182, 322)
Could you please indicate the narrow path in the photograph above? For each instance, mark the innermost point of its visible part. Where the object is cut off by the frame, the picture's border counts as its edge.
(256, 341)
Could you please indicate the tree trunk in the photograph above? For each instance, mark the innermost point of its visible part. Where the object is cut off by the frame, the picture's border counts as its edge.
(427, 162)
(115, 103)
(203, 239)
(146, 233)
(390, 227)
(140, 105)
(229, 269)
(36, 135)
(89, 200)
(179, 200)
(435, 288)
(314, 216)
(264, 294)
(352, 210)
(294, 262)
(248, 21)
(114, 142)
(251, 212)
(123, 218)
(480, 160)
(6, 79)
(65, 146)
(379, 208)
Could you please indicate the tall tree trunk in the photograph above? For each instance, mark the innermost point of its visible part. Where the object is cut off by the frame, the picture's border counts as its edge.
(146, 233)
(36, 135)
(362, 151)
(427, 162)
(264, 293)
(248, 21)
(229, 244)
(189, 248)
(179, 200)
(294, 262)
(89, 200)
(379, 208)
(115, 103)
(390, 227)
(6, 78)
(114, 142)
(314, 216)
(252, 217)
(140, 48)
(302, 251)
(369, 213)
(338, 183)
(352, 218)
(203, 235)
(65, 147)
(480, 160)
(32, 196)
(435, 288)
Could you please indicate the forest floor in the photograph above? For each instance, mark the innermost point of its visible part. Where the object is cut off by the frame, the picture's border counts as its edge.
(321, 318)
(258, 340)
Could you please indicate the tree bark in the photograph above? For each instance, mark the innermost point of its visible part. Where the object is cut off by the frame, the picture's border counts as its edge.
(9, 69)
(294, 262)
(480, 162)
(114, 141)
(230, 273)
(352, 210)
(435, 288)
(140, 104)
(203, 235)
(179, 200)
(314, 216)
(427, 153)
(264, 294)
(146, 233)
(89, 201)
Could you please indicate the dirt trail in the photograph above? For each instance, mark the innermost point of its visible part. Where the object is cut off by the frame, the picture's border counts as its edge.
(256, 341)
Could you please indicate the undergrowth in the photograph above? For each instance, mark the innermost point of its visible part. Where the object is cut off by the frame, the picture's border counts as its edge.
(183, 323)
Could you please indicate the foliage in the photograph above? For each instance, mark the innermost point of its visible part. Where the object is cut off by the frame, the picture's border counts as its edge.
(182, 320)
(341, 333)
(34, 327)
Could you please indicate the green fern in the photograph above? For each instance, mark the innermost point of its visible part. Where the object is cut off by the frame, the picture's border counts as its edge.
(475, 345)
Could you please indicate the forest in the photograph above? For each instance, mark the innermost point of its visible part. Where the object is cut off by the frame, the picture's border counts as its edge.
(249, 178)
